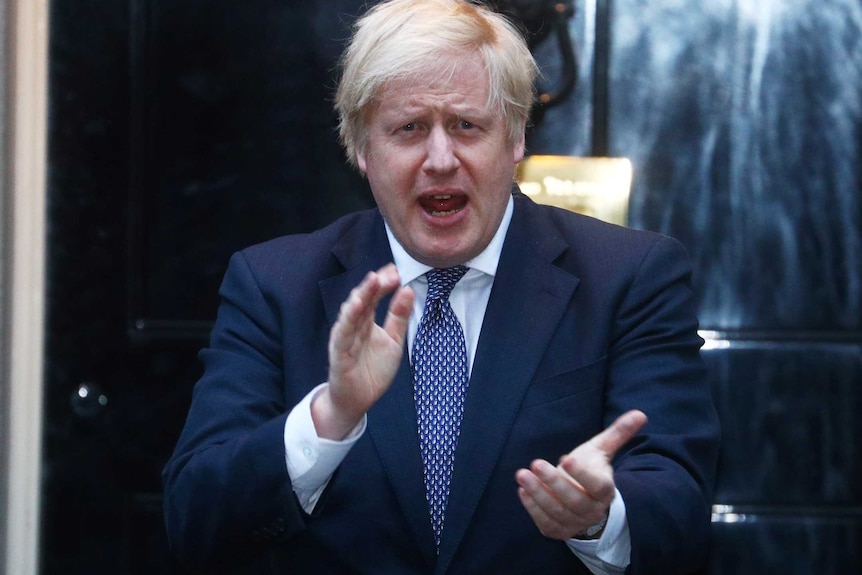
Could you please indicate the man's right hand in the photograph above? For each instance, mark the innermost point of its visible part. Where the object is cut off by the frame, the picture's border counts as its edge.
(363, 356)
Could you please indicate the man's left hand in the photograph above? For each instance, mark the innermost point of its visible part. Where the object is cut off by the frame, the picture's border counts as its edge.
(565, 500)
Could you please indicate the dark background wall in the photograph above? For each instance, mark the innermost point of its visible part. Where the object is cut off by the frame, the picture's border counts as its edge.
(182, 130)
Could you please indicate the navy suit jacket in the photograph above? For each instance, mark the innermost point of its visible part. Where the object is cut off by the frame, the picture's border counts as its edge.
(585, 321)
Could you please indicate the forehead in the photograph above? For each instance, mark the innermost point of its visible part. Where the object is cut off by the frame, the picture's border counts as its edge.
(456, 84)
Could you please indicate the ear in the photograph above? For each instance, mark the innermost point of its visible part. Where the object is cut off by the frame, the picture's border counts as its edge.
(519, 148)
(360, 162)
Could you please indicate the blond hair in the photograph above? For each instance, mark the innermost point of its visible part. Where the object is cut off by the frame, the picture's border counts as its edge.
(409, 39)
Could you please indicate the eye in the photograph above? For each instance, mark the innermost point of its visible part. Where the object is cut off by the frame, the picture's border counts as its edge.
(465, 125)
(408, 127)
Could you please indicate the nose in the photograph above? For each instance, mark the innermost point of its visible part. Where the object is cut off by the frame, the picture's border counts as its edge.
(440, 155)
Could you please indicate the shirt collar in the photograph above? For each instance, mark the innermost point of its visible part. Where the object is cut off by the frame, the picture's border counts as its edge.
(486, 262)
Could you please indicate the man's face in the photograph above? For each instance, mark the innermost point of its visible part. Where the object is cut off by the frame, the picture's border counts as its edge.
(439, 164)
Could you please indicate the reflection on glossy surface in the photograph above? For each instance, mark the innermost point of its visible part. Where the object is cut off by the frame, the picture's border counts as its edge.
(742, 121)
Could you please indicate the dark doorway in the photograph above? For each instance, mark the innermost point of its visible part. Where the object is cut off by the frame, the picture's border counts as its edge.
(180, 131)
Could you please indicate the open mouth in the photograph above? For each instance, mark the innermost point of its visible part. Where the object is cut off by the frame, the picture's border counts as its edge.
(441, 205)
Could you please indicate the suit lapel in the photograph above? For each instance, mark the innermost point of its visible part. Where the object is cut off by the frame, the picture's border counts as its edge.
(392, 421)
(527, 300)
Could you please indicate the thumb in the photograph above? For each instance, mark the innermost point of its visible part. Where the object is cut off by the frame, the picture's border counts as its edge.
(619, 433)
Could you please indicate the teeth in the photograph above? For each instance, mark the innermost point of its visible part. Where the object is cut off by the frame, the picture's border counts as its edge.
(443, 197)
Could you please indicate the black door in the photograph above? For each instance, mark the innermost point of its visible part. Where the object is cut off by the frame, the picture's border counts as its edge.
(180, 131)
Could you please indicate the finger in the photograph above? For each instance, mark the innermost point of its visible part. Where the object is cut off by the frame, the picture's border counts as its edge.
(400, 309)
(551, 477)
(589, 463)
(570, 498)
(619, 433)
(548, 513)
(556, 493)
(387, 282)
(546, 525)
(534, 480)
(593, 472)
(533, 497)
(389, 278)
(354, 312)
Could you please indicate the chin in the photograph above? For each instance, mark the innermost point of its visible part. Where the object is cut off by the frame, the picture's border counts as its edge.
(449, 258)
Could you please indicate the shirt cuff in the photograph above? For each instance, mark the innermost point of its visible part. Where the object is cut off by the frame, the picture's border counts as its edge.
(610, 554)
(311, 460)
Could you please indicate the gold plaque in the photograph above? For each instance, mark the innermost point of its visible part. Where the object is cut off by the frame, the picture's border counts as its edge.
(597, 187)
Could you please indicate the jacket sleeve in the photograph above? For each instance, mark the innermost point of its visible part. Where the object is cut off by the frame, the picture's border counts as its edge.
(227, 490)
(666, 473)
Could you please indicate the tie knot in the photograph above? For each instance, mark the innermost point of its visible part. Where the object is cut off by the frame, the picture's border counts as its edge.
(442, 280)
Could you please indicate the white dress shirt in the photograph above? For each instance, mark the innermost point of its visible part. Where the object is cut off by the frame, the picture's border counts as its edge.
(312, 460)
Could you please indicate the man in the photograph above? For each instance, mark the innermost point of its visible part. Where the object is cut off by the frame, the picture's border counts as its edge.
(357, 416)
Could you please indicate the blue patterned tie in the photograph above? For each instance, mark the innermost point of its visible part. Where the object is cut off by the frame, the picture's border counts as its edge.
(440, 377)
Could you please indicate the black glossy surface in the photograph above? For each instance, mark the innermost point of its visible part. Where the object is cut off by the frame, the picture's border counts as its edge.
(791, 435)
(180, 132)
(787, 545)
(235, 141)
